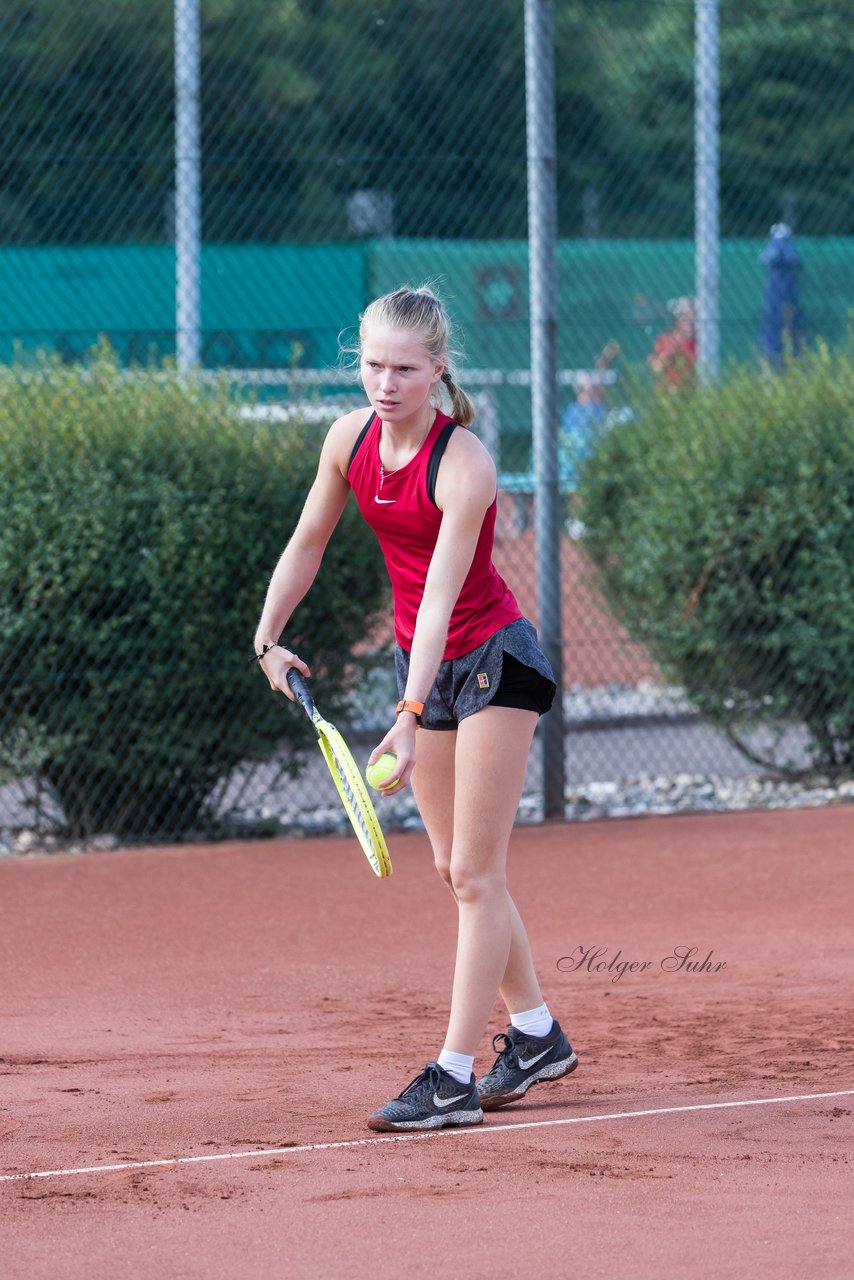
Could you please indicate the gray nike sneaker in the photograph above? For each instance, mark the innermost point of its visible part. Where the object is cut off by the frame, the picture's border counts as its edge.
(433, 1099)
(522, 1061)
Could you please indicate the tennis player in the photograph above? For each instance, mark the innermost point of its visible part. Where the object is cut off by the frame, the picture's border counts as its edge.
(472, 682)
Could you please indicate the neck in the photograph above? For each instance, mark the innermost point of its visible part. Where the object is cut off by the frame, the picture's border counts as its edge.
(409, 435)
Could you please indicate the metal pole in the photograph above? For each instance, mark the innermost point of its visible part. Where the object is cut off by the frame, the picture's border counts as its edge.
(542, 257)
(707, 189)
(188, 187)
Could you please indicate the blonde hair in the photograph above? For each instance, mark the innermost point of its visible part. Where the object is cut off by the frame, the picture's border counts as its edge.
(422, 311)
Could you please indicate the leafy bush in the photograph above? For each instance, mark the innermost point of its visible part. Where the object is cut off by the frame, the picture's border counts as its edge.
(721, 524)
(142, 517)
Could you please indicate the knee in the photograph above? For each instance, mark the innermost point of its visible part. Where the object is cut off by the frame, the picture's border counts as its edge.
(442, 862)
(474, 886)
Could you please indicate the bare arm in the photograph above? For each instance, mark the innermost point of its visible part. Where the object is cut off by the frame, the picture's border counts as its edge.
(464, 492)
(467, 499)
(300, 561)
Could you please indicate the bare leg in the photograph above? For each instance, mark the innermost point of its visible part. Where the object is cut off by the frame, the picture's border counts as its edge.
(492, 753)
(520, 988)
(434, 784)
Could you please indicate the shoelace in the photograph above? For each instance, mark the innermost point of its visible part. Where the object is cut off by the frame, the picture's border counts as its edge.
(429, 1078)
(509, 1049)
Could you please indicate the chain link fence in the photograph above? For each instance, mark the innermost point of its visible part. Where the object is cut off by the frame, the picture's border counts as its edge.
(344, 150)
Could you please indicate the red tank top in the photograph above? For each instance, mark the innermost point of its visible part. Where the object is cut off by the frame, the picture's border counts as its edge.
(406, 521)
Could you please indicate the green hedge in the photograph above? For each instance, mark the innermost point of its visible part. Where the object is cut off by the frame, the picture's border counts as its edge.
(142, 517)
(721, 524)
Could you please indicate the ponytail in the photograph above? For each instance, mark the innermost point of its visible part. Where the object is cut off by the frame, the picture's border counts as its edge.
(462, 408)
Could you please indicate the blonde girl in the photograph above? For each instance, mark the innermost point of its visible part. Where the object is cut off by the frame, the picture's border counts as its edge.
(472, 682)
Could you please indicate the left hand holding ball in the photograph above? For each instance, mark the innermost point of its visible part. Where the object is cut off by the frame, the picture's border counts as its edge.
(381, 770)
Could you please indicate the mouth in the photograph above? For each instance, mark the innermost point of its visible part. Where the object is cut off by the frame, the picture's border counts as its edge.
(387, 404)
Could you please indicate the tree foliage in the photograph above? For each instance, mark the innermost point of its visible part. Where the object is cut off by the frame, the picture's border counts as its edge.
(721, 524)
(305, 102)
(142, 518)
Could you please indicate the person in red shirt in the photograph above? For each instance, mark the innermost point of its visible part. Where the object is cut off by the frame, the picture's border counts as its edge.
(674, 354)
(470, 672)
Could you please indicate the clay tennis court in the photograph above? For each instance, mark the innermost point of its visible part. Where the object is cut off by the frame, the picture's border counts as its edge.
(193, 1037)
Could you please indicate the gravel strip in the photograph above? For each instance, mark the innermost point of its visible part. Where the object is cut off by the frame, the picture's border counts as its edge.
(280, 807)
(636, 797)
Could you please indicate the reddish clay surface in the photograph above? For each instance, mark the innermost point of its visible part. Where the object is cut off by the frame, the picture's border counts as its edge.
(200, 1001)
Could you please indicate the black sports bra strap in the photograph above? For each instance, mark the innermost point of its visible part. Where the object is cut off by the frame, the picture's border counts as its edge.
(439, 446)
(359, 441)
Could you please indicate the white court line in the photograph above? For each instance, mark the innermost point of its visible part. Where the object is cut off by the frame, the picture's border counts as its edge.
(469, 1130)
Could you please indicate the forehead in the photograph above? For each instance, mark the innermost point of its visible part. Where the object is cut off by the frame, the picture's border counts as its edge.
(389, 345)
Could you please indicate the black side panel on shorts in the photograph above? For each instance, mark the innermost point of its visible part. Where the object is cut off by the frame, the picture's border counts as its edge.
(359, 438)
(436, 453)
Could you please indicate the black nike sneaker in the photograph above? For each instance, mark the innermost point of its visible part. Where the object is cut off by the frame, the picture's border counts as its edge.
(522, 1061)
(433, 1099)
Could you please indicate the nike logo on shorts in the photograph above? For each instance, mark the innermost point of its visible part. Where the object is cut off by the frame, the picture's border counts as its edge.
(384, 502)
(442, 1103)
(530, 1062)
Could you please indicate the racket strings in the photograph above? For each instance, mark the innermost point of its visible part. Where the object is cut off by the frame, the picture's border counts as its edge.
(354, 801)
(348, 780)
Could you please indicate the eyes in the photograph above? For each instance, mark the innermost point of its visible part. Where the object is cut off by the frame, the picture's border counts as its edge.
(401, 368)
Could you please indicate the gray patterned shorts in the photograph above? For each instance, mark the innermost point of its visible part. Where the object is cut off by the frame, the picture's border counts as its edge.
(509, 669)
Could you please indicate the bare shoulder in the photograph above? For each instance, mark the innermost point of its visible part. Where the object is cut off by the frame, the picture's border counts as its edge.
(467, 471)
(342, 435)
(464, 449)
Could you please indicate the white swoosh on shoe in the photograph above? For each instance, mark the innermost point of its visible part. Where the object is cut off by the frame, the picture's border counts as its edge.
(442, 1103)
(530, 1062)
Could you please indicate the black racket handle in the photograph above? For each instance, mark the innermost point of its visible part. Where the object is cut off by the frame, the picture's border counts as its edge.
(299, 688)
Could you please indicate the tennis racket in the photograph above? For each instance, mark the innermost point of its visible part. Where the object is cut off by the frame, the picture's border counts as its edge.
(347, 778)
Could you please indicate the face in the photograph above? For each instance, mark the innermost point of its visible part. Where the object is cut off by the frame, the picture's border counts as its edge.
(398, 374)
(685, 320)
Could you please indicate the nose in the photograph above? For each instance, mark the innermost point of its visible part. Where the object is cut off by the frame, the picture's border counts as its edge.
(387, 380)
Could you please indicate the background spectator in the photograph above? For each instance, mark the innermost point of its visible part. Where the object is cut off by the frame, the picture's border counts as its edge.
(674, 355)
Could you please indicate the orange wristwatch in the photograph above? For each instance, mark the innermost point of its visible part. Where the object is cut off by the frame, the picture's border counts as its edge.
(407, 704)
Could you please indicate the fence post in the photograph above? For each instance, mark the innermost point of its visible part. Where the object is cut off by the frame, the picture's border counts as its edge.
(188, 190)
(706, 188)
(542, 269)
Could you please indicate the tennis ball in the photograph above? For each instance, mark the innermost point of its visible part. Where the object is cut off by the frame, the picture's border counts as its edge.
(381, 769)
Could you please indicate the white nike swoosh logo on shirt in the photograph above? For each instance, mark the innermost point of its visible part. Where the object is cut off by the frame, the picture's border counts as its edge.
(524, 1065)
(385, 501)
(448, 1102)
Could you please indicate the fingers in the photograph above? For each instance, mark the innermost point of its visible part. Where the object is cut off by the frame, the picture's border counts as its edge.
(399, 742)
(276, 664)
(398, 783)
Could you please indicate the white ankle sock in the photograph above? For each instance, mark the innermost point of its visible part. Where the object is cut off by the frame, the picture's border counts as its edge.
(533, 1022)
(458, 1065)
